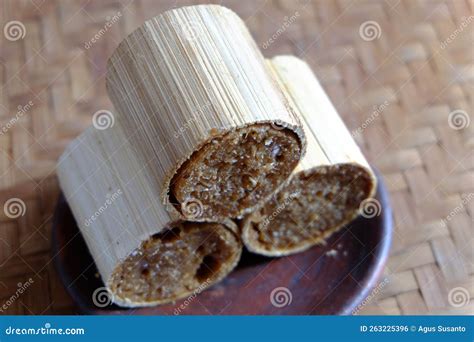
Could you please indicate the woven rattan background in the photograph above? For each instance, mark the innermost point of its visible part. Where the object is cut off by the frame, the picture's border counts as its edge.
(400, 73)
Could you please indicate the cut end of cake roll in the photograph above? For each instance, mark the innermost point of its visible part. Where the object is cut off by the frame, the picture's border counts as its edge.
(233, 173)
(316, 203)
(181, 260)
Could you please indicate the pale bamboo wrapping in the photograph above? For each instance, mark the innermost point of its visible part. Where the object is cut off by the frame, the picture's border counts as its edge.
(186, 76)
(100, 163)
(329, 142)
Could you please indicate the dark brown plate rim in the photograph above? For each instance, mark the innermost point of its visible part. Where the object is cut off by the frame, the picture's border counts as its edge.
(367, 284)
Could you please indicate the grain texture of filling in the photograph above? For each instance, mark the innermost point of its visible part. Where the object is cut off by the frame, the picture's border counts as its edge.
(175, 262)
(312, 206)
(232, 173)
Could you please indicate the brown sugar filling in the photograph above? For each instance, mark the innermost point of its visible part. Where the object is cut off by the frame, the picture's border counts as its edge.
(232, 173)
(175, 262)
(314, 204)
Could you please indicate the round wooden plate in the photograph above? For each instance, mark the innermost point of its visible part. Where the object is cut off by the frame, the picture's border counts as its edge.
(327, 280)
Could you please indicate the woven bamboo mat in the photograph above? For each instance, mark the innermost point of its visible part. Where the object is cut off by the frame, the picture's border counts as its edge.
(400, 73)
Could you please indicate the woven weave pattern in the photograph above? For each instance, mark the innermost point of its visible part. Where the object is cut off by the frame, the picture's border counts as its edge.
(399, 72)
